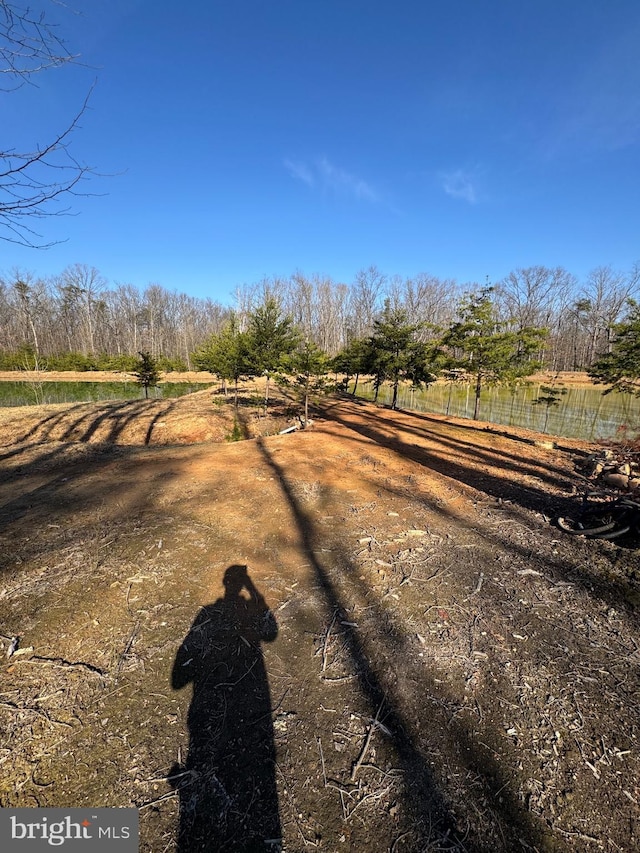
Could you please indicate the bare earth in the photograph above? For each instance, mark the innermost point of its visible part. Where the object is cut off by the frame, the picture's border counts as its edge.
(416, 658)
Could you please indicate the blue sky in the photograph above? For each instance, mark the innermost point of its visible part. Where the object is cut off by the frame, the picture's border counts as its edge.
(252, 138)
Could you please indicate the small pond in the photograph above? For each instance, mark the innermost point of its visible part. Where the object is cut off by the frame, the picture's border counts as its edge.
(584, 413)
(38, 393)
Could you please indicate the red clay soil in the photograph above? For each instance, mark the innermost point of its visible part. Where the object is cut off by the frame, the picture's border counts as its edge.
(415, 658)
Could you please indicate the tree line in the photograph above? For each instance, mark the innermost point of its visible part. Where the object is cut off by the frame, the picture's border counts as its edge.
(77, 320)
(479, 346)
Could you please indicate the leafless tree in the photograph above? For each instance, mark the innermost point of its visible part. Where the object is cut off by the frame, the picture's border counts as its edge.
(603, 299)
(367, 296)
(427, 300)
(78, 312)
(318, 307)
(25, 319)
(298, 302)
(332, 319)
(534, 296)
(37, 183)
(84, 285)
(248, 297)
(538, 296)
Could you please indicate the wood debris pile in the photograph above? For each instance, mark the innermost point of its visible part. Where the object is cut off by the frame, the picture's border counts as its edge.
(613, 469)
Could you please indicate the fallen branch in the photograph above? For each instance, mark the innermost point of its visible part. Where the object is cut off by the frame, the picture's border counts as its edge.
(365, 746)
(62, 664)
(478, 587)
(326, 640)
(167, 796)
(374, 795)
(324, 772)
(128, 645)
(398, 840)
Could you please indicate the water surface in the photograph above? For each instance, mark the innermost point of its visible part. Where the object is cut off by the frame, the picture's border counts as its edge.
(583, 412)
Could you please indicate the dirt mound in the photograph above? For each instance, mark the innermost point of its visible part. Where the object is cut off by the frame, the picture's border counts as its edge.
(413, 659)
(203, 416)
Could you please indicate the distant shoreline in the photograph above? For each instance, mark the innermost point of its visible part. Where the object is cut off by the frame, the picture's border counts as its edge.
(569, 378)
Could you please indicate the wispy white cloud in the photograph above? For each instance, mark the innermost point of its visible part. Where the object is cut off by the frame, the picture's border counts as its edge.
(343, 182)
(300, 171)
(459, 184)
(330, 178)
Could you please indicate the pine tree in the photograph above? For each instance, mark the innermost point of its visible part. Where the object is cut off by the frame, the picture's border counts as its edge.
(226, 355)
(396, 355)
(146, 372)
(620, 368)
(486, 348)
(550, 397)
(270, 337)
(305, 369)
(353, 360)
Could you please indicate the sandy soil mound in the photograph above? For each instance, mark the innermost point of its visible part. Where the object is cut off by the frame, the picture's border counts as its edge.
(204, 416)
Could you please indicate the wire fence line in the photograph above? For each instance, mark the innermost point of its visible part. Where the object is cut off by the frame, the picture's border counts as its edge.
(584, 413)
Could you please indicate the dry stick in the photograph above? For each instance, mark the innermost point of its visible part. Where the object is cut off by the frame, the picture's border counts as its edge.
(580, 835)
(275, 707)
(372, 796)
(242, 677)
(431, 577)
(398, 840)
(36, 711)
(345, 813)
(326, 640)
(166, 778)
(591, 767)
(168, 796)
(324, 772)
(130, 642)
(478, 587)
(60, 663)
(340, 678)
(367, 741)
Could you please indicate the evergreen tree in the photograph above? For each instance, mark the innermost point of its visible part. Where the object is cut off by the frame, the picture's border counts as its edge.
(486, 348)
(270, 337)
(146, 372)
(550, 397)
(396, 355)
(353, 360)
(226, 355)
(305, 369)
(621, 367)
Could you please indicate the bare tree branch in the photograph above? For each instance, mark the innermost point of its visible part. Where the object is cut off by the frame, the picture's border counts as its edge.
(28, 43)
(34, 183)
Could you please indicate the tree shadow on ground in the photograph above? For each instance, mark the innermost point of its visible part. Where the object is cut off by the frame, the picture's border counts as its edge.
(493, 477)
(83, 422)
(382, 430)
(227, 790)
(425, 804)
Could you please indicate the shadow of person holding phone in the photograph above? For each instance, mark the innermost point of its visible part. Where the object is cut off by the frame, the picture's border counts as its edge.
(228, 796)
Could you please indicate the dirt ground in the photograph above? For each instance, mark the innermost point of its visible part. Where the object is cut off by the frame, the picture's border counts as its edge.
(413, 659)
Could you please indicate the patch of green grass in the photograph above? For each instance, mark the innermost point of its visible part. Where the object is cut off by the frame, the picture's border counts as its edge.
(236, 433)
